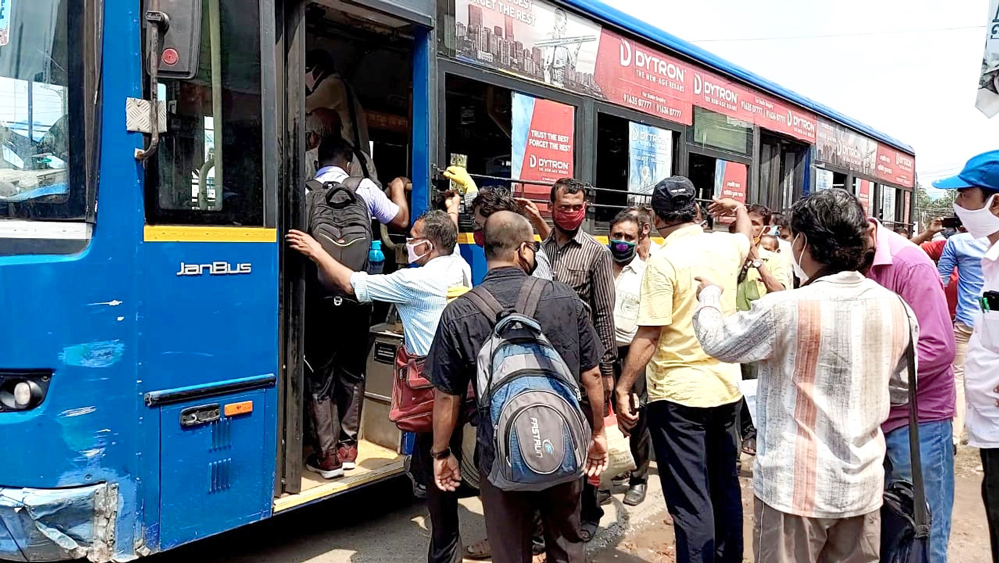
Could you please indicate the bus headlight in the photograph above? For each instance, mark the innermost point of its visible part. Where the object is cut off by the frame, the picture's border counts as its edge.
(24, 390)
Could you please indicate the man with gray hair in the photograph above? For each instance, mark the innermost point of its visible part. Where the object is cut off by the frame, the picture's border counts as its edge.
(420, 294)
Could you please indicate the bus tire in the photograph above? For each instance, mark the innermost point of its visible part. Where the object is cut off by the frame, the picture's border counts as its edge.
(469, 469)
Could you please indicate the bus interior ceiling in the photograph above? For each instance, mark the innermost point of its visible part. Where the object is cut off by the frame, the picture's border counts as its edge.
(373, 54)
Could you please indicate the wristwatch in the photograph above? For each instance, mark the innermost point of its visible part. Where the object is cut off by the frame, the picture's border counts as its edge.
(443, 454)
(756, 263)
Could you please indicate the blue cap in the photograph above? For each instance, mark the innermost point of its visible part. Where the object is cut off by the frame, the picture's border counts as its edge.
(981, 171)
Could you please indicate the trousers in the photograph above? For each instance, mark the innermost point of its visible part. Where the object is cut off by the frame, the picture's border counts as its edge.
(696, 449)
(336, 348)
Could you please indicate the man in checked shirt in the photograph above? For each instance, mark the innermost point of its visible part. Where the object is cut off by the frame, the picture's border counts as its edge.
(585, 265)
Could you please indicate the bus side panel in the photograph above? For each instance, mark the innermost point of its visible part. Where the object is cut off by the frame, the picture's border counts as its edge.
(215, 468)
(196, 333)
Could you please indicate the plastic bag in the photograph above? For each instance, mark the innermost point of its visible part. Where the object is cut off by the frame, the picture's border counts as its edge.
(619, 459)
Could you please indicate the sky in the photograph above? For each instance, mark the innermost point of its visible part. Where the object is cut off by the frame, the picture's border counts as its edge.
(908, 68)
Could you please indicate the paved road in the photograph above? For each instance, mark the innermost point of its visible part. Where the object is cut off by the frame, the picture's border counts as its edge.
(384, 524)
(381, 523)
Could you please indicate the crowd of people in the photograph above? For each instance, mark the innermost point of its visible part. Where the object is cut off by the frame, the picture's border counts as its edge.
(823, 312)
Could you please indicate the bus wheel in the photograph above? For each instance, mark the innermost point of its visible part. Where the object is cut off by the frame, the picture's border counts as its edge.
(469, 467)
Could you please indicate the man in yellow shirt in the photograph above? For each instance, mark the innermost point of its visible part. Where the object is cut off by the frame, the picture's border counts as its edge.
(694, 399)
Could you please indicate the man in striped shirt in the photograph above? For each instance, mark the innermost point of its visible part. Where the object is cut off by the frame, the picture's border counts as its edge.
(579, 261)
(828, 354)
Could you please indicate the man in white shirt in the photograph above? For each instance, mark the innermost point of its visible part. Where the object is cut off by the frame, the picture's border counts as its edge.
(827, 354)
(325, 88)
(626, 238)
(420, 294)
(335, 156)
(977, 205)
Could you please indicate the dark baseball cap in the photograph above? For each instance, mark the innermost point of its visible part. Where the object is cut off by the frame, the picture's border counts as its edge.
(981, 171)
(672, 194)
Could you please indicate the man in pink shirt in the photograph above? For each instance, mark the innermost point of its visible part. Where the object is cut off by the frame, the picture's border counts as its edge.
(904, 268)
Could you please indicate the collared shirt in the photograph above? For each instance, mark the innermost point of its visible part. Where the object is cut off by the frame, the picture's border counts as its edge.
(379, 205)
(544, 269)
(964, 253)
(627, 290)
(905, 269)
(981, 369)
(586, 266)
(463, 329)
(828, 354)
(420, 294)
(680, 370)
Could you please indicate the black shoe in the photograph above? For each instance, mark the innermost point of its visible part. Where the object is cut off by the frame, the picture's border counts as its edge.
(603, 497)
(636, 494)
(587, 530)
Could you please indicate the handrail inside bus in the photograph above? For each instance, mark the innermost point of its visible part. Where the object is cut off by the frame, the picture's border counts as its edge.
(215, 38)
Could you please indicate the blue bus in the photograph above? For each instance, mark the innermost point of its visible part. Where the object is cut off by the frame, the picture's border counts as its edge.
(153, 153)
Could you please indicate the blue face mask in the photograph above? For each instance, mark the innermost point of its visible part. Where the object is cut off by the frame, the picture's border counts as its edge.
(622, 250)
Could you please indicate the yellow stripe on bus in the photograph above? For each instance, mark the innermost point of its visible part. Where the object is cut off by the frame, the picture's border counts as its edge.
(184, 233)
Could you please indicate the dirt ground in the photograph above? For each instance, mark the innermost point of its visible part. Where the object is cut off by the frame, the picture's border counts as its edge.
(652, 540)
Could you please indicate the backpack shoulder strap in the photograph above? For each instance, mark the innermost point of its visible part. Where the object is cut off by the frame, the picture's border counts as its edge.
(352, 183)
(481, 298)
(530, 296)
(313, 185)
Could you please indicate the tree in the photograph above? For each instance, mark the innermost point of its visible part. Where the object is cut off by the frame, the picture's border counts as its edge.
(928, 208)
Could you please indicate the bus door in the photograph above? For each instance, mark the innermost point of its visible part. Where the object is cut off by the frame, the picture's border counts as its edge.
(359, 70)
(782, 171)
(208, 277)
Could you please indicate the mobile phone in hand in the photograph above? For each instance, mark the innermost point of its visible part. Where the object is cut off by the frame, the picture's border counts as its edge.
(952, 223)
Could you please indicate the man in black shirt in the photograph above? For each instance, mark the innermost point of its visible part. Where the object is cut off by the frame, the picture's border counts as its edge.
(451, 364)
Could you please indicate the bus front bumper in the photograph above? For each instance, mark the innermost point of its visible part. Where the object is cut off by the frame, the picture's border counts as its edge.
(58, 524)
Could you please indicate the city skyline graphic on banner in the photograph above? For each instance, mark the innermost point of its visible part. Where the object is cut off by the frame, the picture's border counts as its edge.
(535, 40)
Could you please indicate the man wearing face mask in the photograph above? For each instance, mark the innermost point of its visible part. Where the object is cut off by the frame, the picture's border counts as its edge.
(626, 237)
(420, 294)
(510, 253)
(493, 199)
(901, 266)
(977, 205)
(582, 263)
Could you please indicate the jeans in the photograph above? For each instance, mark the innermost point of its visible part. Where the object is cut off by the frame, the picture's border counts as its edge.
(936, 453)
(696, 449)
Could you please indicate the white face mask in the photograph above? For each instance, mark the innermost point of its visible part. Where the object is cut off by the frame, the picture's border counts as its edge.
(796, 261)
(979, 222)
(411, 250)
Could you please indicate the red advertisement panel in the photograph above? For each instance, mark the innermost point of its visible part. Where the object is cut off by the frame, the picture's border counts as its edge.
(864, 194)
(895, 166)
(542, 141)
(908, 204)
(730, 181)
(717, 94)
(630, 75)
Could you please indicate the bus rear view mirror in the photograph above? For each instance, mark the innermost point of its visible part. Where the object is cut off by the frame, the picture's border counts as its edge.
(180, 34)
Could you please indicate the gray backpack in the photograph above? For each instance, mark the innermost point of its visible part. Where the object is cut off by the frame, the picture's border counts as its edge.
(528, 400)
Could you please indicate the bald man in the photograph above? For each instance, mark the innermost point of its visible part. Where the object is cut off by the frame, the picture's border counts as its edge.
(510, 255)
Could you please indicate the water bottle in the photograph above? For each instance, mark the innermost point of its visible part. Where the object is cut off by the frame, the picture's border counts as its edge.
(376, 258)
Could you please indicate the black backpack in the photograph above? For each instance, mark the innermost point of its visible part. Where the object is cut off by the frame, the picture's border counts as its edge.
(338, 218)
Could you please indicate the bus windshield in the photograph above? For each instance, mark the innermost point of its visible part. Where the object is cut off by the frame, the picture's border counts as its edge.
(35, 134)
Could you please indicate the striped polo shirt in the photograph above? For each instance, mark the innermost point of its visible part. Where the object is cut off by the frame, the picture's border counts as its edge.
(832, 361)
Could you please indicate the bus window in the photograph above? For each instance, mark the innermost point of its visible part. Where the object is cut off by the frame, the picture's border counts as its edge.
(37, 134)
(507, 134)
(632, 159)
(208, 166)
